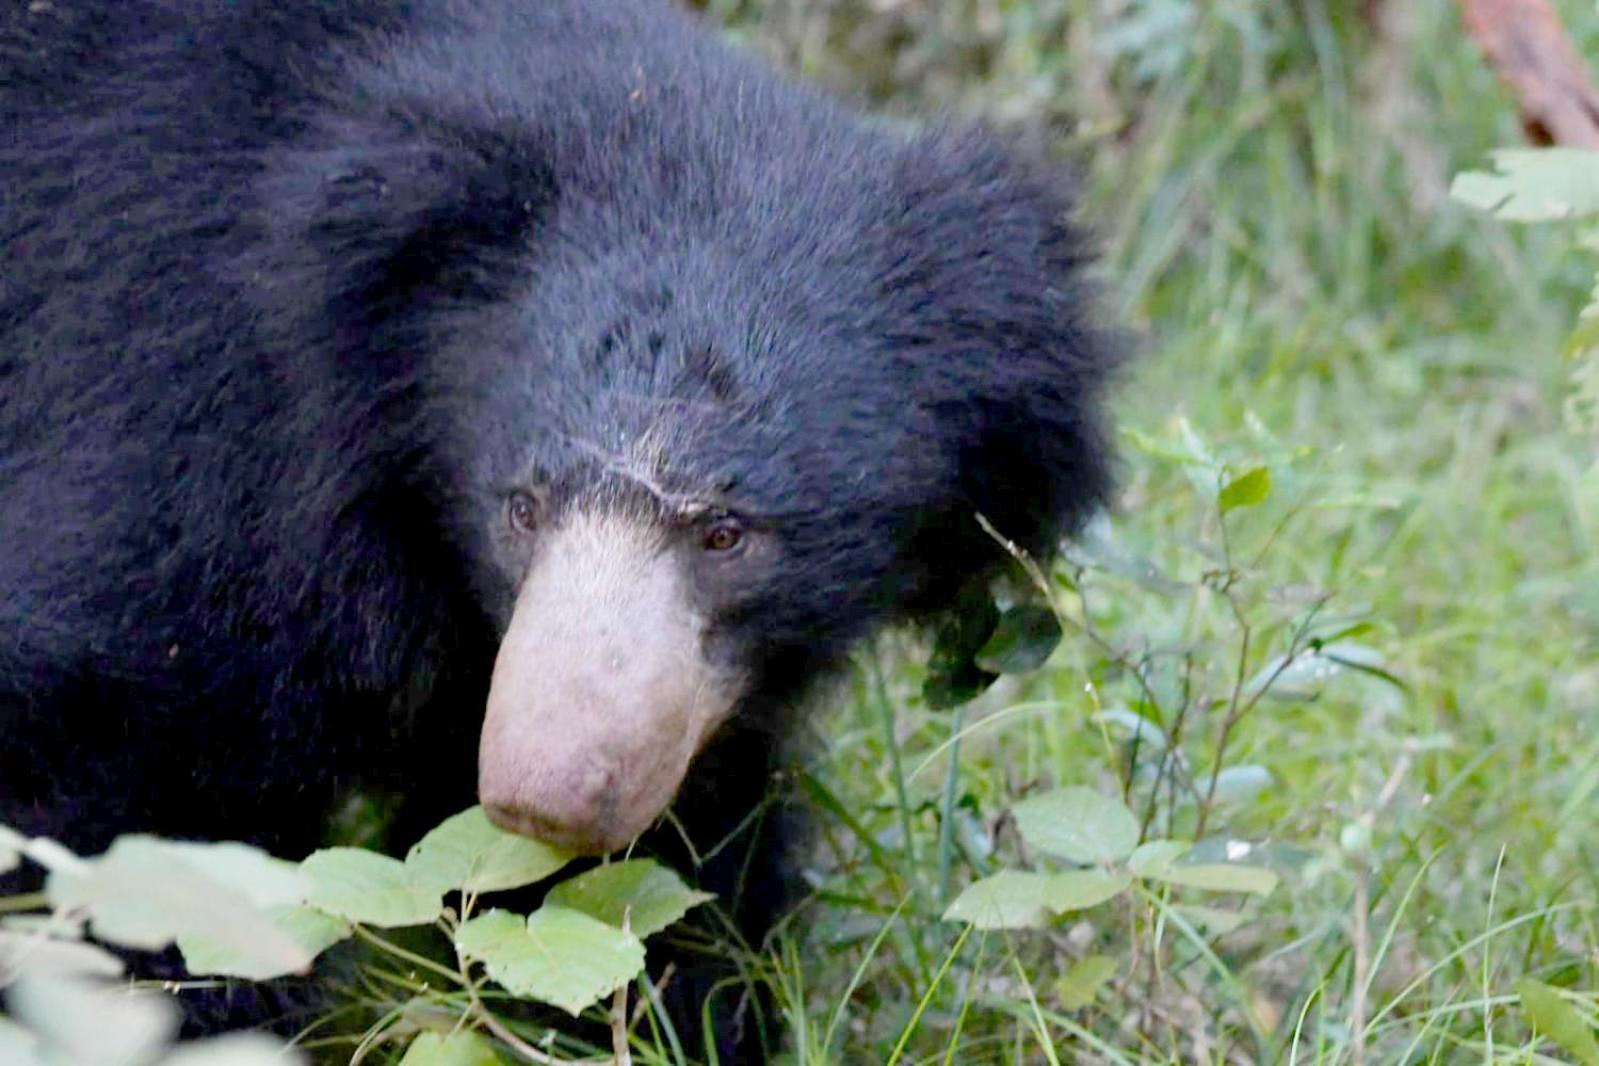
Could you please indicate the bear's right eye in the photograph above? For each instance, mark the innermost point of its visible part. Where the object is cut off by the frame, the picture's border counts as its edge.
(522, 512)
(724, 536)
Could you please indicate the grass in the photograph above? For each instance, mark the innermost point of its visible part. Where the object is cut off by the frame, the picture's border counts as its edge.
(1269, 183)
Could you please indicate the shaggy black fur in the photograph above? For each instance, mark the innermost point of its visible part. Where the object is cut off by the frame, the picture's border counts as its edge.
(293, 291)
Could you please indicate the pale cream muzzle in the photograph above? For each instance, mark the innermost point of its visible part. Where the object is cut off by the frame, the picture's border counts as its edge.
(601, 694)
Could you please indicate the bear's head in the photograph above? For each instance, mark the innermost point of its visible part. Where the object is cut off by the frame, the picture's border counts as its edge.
(712, 391)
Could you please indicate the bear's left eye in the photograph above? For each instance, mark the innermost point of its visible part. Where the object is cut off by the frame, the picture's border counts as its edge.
(522, 512)
(723, 536)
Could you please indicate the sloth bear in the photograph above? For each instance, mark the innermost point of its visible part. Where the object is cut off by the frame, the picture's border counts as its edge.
(533, 395)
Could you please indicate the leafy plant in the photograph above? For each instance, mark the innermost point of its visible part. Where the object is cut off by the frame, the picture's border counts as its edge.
(1101, 835)
(1551, 185)
(234, 911)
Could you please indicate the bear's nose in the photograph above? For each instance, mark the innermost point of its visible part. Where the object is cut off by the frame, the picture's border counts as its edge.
(577, 813)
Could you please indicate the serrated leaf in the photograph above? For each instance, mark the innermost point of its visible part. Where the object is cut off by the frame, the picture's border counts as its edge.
(1078, 824)
(1533, 184)
(147, 893)
(557, 956)
(1156, 856)
(464, 1048)
(1023, 639)
(1217, 877)
(312, 930)
(1010, 899)
(1248, 489)
(1078, 986)
(79, 1022)
(235, 1049)
(1078, 890)
(366, 887)
(467, 851)
(651, 896)
(1556, 1019)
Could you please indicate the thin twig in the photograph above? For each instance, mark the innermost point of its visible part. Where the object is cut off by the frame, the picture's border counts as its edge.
(621, 1054)
(1360, 934)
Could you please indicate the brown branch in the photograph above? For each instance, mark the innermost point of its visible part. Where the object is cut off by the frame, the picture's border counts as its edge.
(1528, 48)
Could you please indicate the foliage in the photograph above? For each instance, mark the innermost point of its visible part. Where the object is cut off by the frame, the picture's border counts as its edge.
(1552, 185)
(234, 911)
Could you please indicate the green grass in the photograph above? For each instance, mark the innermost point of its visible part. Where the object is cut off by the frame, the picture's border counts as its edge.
(1268, 183)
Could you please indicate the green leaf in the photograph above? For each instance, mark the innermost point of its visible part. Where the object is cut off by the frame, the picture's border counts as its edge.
(366, 887)
(1533, 184)
(79, 1022)
(1558, 1020)
(260, 878)
(469, 852)
(236, 1049)
(1019, 899)
(1078, 890)
(1238, 784)
(464, 1048)
(45, 954)
(1246, 490)
(953, 677)
(1023, 639)
(651, 896)
(147, 893)
(1078, 824)
(1153, 858)
(1078, 986)
(557, 956)
(314, 931)
(1010, 899)
(18, 1047)
(1217, 877)
(10, 850)
(944, 690)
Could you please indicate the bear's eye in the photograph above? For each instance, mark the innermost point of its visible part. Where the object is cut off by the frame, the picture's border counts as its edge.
(522, 512)
(723, 535)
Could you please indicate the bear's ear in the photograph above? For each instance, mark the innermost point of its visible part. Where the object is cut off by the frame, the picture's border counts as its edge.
(379, 215)
(995, 266)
